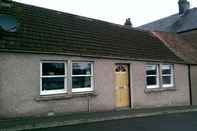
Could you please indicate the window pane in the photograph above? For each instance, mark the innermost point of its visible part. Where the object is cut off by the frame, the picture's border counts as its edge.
(53, 69)
(151, 70)
(151, 80)
(166, 80)
(52, 83)
(81, 82)
(81, 69)
(166, 69)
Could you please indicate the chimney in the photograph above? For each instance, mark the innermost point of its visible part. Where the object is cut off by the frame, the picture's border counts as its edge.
(184, 6)
(128, 23)
(5, 3)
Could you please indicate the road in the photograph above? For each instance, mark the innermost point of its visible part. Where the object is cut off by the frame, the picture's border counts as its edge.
(172, 122)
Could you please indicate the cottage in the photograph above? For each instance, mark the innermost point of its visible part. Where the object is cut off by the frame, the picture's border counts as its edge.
(56, 62)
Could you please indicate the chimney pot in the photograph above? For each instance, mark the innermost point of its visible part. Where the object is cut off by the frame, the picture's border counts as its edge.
(128, 22)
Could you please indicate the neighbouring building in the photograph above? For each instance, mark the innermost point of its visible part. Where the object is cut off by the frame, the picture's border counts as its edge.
(188, 52)
(183, 21)
(55, 62)
(184, 24)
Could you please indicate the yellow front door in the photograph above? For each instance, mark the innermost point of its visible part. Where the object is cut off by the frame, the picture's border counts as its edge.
(122, 85)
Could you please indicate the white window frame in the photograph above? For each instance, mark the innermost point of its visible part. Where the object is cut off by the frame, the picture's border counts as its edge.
(84, 89)
(157, 77)
(171, 76)
(53, 92)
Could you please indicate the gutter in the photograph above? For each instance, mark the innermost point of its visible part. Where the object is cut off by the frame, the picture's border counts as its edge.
(185, 31)
(93, 56)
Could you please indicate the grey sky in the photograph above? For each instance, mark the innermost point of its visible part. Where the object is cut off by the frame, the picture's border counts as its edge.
(115, 11)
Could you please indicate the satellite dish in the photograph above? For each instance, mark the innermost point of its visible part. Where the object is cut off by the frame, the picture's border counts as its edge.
(8, 23)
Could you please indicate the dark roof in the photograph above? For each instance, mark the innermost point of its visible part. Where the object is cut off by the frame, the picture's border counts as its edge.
(48, 31)
(182, 48)
(174, 23)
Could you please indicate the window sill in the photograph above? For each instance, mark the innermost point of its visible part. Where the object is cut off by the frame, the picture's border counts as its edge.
(65, 96)
(160, 89)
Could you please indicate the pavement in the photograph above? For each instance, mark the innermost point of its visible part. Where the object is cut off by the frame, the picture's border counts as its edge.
(169, 122)
(30, 123)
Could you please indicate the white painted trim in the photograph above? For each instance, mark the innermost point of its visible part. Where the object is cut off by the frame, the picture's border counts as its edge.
(157, 77)
(171, 77)
(53, 76)
(152, 86)
(50, 92)
(81, 75)
(167, 85)
(84, 89)
(151, 75)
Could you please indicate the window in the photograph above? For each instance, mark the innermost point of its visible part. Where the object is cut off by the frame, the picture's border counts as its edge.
(152, 78)
(167, 75)
(159, 73)
(53, 79)
(82, 76)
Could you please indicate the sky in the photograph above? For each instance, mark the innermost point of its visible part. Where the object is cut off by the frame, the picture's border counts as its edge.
(114, 11)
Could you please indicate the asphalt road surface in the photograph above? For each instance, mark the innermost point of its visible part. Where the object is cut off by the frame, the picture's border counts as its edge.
(172, 122)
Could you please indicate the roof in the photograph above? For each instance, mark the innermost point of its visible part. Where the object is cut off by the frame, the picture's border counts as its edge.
(179, 46)
(190, 36)
(47, 31)
(174, 23)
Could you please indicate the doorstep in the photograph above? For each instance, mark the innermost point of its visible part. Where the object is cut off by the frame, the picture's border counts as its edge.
(14, 124)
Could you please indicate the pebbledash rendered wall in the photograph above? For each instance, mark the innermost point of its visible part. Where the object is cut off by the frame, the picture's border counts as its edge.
(20, 87)
(169, 97)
